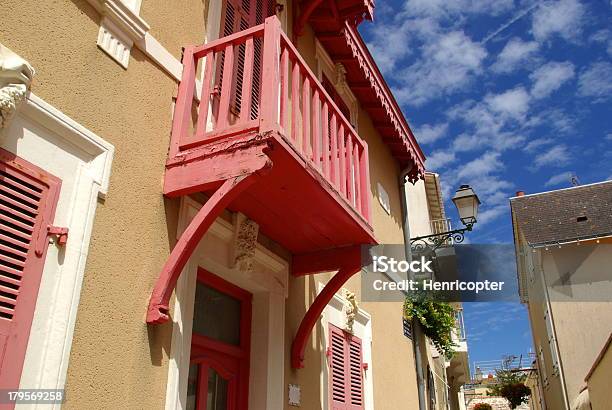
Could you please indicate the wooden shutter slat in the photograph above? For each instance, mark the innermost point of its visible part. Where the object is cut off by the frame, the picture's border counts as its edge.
(25, 221)
(11, 191)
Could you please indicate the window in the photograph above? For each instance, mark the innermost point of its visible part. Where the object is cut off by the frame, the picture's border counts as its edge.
(28, 197)
(346, 370)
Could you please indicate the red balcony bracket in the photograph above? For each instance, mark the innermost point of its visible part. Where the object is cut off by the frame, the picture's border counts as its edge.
(159, 304)
(307, 9)
(347, 261)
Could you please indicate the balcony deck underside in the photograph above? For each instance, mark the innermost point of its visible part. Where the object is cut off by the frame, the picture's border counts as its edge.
(292, 202)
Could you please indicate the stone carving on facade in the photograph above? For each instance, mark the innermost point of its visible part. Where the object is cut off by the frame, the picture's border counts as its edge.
(15, 78)
(340, 75)
(245, 243)
(350, 310)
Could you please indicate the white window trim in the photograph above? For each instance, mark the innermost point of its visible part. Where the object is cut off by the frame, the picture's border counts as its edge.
(49, 139)
(326, 64)
(268, 282)
(362, 328)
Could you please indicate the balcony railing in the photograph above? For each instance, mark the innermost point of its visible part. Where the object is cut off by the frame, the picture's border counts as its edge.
(255, 81)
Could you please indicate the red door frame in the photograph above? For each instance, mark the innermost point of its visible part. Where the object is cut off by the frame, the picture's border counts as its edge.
(241, 354)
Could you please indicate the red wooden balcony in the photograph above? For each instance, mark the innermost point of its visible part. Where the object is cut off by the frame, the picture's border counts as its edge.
(263, 111)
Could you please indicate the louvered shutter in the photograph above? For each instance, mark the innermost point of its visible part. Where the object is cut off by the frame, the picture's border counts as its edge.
(240, 15)
(355, 371)
(28, 197)
(346, 371)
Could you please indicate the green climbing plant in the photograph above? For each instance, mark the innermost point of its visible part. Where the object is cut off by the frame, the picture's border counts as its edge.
(437, 320)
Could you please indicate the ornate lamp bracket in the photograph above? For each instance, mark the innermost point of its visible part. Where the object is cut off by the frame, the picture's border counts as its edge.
(434, 241)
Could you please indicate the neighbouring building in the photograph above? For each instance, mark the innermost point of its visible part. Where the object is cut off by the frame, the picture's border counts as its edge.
(563, 242)
(186, 188)
(427, 216)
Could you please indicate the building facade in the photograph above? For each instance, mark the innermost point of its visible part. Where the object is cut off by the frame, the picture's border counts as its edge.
(562, 241)
(185, 193)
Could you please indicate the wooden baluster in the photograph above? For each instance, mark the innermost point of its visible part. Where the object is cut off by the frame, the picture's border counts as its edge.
(284, 102)
(226, 87)
(205, 95)
(335, 166)
(295, 104)
(357, 178)
(350, 192)
(306, 103)
(316, 129)
(342, 156)
(325, 139)
(184, 100)
(366, 209)
(270, 75)
(247, 81)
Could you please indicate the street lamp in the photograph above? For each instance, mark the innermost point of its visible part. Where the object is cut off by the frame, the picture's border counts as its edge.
(466, 201)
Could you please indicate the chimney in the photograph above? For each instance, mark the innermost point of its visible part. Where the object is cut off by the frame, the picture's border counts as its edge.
(520, 193)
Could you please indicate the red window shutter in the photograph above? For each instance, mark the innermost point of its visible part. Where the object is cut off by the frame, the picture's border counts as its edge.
(28, 197)
(346, 372)
(355, 373)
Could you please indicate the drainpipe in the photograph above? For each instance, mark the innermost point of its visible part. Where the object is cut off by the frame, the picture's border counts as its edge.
(418, 360)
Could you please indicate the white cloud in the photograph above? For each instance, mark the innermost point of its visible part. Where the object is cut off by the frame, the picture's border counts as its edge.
(537, 143)
(428, 133)
(563, 18)
(550, 77)
(440, 159)
(480, 166)
(512, 103)
(558, 179)
(514, 55)
(555, 156)
(448, 64)
(609, 136)
(596, 81)
(605, 37)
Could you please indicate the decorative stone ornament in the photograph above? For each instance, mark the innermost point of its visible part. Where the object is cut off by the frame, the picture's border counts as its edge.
(245, 243)
(15, 78)
(349, 310)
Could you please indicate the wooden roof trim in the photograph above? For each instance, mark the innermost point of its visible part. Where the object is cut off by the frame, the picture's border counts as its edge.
(387, 100)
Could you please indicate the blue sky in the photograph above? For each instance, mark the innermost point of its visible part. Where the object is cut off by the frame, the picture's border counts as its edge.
(504, 95)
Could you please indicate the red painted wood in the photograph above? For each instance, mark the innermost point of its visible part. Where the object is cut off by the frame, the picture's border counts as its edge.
(366, 208)
(295, 104)
(184, 100)
(306, 103)
(350, 183)
(247, 82)
(158, 311)
(326, 140)
(19, 281)
(316, 129)
(315, 310)
(226, 87)
(357, 176)
(335, 164)
(325, 260)
(284, 101)
(345, 370)
(205, 96)
(270, 76)
(342, 162)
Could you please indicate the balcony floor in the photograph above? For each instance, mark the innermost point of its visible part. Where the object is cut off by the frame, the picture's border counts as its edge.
(293, 203)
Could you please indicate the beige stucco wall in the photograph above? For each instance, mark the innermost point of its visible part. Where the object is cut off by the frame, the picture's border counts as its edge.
(116, 361)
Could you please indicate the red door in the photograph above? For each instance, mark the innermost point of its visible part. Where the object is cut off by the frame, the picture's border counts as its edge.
(219, 369)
